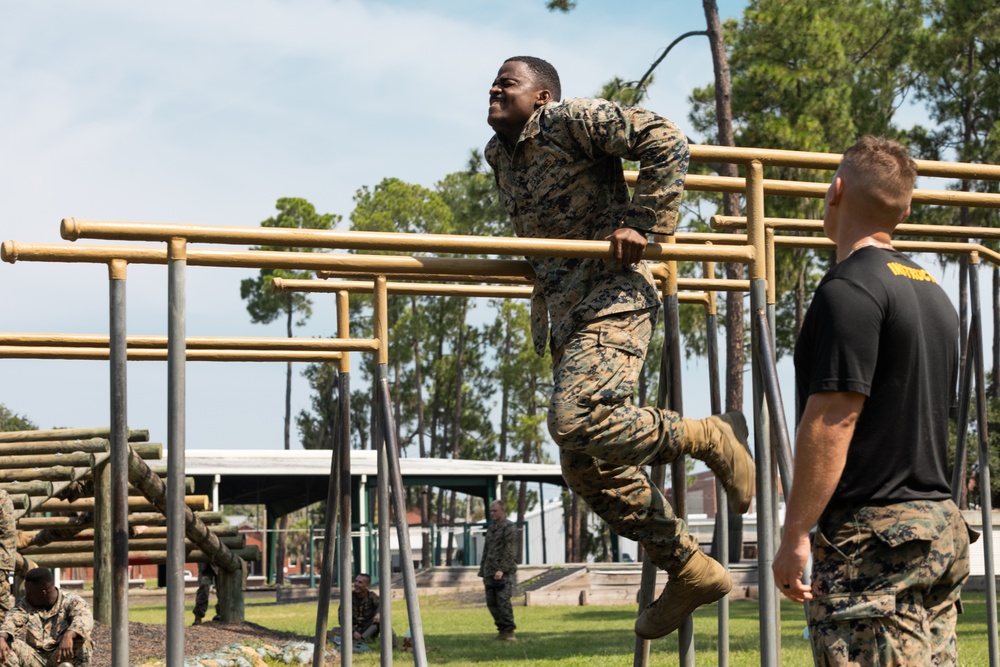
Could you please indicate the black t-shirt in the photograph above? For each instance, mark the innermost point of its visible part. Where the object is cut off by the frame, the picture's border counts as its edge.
(881, 326)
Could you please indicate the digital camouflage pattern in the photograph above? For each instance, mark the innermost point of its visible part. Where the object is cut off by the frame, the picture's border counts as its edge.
(886, 584)
(563, 179)
(604, 438)
(8, 534)
(500, 554)
(25, 656)
(500, 549)
(37, 632)
(363, 610)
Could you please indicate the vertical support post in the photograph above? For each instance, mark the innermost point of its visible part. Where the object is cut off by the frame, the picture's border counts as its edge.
(675, 402)
(976, 326)
(384, 550)
(721, 501)
(102, 542)
(312, 552)
(396, 478)
(230, 590)
(769, 628)
(118, 468)
(176, 357)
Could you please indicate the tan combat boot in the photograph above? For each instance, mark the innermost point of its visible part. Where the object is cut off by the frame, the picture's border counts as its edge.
(721, 442)
(507, 636)
(699, 581)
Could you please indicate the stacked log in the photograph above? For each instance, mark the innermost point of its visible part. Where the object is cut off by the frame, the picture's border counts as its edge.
(54, 472)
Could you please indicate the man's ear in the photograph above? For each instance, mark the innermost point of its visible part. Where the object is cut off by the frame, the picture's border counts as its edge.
(836, 190)
(542, 97)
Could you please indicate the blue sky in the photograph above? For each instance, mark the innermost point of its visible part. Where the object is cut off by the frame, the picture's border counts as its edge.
(207, 113)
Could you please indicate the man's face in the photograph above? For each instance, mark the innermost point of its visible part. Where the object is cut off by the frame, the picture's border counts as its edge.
(514, 96)
(497, 513)
(42, 596)
(361, 584)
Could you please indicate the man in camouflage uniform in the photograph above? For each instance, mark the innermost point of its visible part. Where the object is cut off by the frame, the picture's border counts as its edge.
(876, 366)
(497, 568)
(559, 173)
(46, 627)
(365, 618)
(8, 552)
(206, 579)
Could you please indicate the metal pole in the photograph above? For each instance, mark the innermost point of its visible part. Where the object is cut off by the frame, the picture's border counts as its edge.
(769, 628)
(962, 431)
(326, 569)
(176, 332)
(384, 548)
(721, 501)
(395, 475)
(346, 491)
(984, 467)
(119, 466)
(678, 469)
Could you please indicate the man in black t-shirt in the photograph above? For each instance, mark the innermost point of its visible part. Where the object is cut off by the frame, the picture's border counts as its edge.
(876, 366)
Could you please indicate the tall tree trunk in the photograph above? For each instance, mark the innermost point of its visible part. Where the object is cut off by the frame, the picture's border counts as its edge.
(577, 519)
(418, 380)
(282, 541)
(735, 334)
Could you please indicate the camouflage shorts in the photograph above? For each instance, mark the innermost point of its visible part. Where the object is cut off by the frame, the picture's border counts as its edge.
(886, 584)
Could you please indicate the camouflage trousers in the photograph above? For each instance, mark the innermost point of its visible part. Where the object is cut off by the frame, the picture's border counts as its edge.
(6, 597)
(604, 438)
(886, 584)
(498, 595)
(23, 655)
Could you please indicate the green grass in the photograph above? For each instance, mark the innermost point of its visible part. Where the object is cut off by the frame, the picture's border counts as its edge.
(457, 634)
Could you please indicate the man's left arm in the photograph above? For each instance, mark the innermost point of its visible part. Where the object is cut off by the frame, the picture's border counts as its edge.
(662, 151)
(821, 447)
(81, 618)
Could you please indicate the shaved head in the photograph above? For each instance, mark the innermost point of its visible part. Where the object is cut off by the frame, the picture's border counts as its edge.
(881, 174)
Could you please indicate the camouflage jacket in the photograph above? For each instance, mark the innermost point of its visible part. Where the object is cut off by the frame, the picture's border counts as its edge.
(563, 179)
(43, 628)
(363, 610)
(500, 550)
(8, 533)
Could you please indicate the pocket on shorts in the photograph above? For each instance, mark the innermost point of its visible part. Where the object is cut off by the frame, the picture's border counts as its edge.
(898, 525)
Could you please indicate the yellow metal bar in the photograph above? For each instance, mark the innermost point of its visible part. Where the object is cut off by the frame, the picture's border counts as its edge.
(808, 160)
(96, 353)
(381, 319)
(11, 251)
(816, 226)
(708, 271)
(755, 218)
(771, 272)
(117, 269)
(344, 326)
(477, 278)
(194, 342)
(419, 289)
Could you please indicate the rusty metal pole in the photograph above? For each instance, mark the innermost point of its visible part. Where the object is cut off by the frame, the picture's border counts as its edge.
(119, 465)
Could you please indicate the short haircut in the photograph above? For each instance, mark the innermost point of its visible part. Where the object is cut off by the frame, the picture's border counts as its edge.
(884, 176)
(39, 576)
(367, 576)
(499, 503)
(546, 75)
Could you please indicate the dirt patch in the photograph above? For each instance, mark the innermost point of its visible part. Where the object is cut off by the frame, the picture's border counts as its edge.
(148, 642)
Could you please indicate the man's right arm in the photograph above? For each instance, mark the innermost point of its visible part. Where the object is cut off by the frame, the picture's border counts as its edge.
(821, 447)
